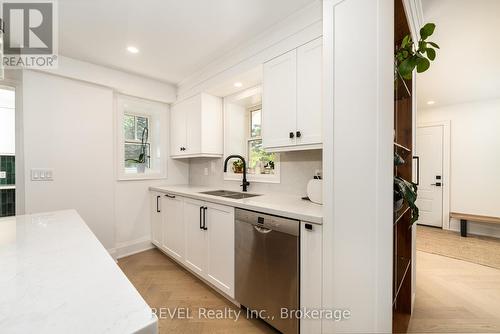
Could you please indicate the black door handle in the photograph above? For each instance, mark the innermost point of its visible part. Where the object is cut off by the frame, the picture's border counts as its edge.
(201, 215)
(291, 135)
(205, 218)
(418, 169)
(157, 204)
(299, 134)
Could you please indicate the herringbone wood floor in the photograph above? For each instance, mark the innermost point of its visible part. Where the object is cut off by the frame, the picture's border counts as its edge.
(165, 284)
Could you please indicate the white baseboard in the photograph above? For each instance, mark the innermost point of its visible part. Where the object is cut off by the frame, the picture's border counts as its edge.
(487, 230)
(124, 249)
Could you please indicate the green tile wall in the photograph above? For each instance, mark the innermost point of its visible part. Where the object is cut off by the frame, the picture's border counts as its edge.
(8, 196)
(8, 164)
(7, 202)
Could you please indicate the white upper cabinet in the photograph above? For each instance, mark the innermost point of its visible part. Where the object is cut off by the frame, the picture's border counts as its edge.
(309, 92)
(196, 128)
(291, 101)
(279, 105)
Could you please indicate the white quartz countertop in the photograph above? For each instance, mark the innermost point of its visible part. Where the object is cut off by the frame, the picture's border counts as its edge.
(56, 277)
(279, 204)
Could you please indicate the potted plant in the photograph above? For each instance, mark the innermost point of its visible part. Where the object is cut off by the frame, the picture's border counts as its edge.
(409, 56)
(238, 166)
(405, 191)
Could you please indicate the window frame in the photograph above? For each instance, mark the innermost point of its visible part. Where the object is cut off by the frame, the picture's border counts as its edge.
(261, 178)
(157, 115)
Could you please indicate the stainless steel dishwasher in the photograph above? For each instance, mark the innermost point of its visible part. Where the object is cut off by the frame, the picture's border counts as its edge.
(267, 266)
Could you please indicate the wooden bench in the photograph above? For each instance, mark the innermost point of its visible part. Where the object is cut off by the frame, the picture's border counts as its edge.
(464, 217)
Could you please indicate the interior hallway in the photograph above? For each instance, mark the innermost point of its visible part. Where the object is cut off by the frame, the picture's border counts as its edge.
(455, 296)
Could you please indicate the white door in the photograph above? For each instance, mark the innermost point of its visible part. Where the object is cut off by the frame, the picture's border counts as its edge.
(430, 189)
(156, 220)
(177, 129)
(173, 226)
(279, 101)
(309, 76)
(220, 234)
(196, 241)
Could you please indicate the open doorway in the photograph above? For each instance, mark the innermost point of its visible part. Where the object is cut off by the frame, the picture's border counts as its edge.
(458, 149)
(7, 151)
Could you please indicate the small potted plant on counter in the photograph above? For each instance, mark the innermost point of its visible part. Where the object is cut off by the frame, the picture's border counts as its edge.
(238, 166)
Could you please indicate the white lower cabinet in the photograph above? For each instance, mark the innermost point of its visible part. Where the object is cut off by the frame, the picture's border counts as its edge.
(199, 235)
(310, 274)
(196, 237)
(156, 223)
(173, 226)
(220, 252)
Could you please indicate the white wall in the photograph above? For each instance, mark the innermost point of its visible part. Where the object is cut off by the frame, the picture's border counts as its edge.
(474, 159)
(7, 122)
(68, 126)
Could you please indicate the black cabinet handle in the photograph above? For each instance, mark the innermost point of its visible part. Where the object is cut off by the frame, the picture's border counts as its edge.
(201, 214)
(170, 196)
(291, 135)
(418, 169)
(205, 218)
(299, 134)
(157, 204)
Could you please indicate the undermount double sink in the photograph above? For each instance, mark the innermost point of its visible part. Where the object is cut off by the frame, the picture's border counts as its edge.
(228, 194)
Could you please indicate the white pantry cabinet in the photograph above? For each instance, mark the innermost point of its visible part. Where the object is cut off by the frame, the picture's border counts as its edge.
(200, 236)
(196, 127)
(173, 226)
(156, 220)
(291, 99)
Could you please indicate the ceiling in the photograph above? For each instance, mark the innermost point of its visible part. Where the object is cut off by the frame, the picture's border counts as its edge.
(176, 38)
(467, 67)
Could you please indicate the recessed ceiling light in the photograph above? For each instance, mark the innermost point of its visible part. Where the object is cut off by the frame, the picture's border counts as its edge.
(132, 49)
(431, 102)
(238, 84)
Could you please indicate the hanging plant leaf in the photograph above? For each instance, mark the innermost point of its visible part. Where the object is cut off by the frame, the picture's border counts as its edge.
(431, 53)
(427, 30)
(423, 65)
(434, 45)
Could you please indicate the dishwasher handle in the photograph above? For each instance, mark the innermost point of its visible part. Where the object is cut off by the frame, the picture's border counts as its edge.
(262, 230)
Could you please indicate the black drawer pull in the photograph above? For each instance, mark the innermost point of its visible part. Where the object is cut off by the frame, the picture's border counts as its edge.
(291, 135)
(170, 196)
(299, 134)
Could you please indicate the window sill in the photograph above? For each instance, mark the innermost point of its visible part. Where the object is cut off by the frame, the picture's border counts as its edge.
(253, 178)
(134, 177)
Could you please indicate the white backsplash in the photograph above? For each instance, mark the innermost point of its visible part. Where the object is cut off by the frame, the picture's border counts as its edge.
(297, 168)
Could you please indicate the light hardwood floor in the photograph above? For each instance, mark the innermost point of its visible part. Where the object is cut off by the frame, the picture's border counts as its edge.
(164, 284)
(455, 296)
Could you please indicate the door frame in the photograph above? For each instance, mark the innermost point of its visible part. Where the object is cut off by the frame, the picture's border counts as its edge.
(445, 124)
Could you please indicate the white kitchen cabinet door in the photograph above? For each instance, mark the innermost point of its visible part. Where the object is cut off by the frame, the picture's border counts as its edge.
(196, 239)
(197, 127)
(220, 260)
(279, 102)
(156, 219)
(309, 93)
(173, 226)
(310, 274)
(178, 129)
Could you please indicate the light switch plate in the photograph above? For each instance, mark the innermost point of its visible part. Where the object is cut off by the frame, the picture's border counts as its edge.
(38, 174)
(3, 175)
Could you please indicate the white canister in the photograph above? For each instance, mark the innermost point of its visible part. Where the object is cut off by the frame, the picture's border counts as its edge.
(315, 190)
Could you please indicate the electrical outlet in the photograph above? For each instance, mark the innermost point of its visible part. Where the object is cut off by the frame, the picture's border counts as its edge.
(205, 171)
(3, 175)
